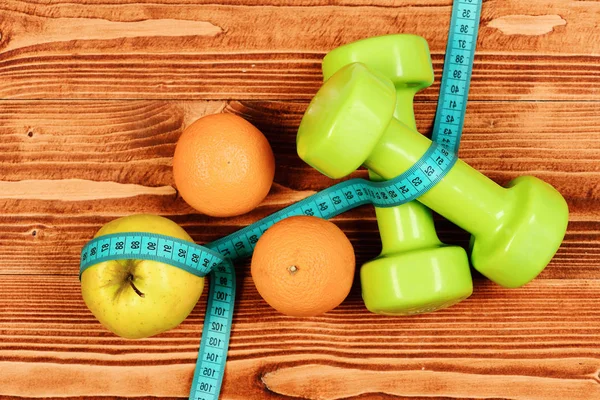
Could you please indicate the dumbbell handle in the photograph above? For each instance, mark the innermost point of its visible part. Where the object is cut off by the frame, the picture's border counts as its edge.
(465, 196)
(409, 226)
(404, 110)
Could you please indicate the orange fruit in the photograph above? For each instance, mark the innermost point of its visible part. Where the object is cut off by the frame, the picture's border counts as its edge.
(303, 266)
(223, 165)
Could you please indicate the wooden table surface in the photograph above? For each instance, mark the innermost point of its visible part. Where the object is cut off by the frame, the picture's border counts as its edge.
(94, 95)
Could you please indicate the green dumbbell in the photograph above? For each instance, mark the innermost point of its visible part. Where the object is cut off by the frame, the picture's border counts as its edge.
(415, 271)
(516, 230)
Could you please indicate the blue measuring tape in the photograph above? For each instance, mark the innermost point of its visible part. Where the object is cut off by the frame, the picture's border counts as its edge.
(216, 258)
(456, 76)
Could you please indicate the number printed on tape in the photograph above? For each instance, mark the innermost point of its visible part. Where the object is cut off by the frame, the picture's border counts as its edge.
(456, 76)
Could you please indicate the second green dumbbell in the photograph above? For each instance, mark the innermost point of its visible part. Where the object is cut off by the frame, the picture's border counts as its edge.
(516, 230)
(415, 272)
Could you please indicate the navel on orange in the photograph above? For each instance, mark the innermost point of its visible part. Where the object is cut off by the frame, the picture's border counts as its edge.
(223, 165)
(303, 266)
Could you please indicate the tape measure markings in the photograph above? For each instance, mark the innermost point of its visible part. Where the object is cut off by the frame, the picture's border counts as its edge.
(216, 331)
(456, 75)
(188, 256)
(344, 196)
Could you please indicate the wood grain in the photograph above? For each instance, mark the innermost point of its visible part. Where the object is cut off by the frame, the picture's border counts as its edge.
(272, 50)
(125, 149)
(537, 342)
(93, 97)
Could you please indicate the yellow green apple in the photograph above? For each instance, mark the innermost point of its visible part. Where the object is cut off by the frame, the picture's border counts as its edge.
(140, 298)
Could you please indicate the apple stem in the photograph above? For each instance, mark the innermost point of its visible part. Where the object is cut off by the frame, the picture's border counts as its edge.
(130, 278)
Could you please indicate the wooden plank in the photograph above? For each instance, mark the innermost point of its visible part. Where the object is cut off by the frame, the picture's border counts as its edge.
(67, 173)
(132, 142)
(51, 244)
(537, 342)
(177, 49)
